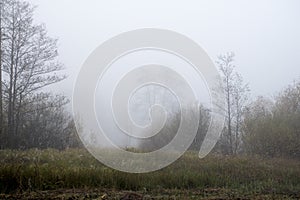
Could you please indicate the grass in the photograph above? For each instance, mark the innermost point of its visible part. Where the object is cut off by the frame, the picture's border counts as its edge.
(53, 170)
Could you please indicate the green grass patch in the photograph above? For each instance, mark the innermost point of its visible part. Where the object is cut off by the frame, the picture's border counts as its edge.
(36, 170)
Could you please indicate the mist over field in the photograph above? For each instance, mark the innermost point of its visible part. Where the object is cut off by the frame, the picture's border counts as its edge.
(149, 100)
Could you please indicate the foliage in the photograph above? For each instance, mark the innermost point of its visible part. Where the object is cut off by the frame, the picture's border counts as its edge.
(272, 127)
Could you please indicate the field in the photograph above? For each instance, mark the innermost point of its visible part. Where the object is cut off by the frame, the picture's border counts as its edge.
(75, 174)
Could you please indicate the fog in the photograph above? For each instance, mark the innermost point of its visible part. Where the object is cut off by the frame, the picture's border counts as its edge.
(263, 34)
(202, 98)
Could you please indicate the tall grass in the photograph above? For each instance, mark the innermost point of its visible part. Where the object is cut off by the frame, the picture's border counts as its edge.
(76, 168)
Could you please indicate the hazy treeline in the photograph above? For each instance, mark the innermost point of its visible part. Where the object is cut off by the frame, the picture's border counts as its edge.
(272, 126)
(170, 129)
(262, 126)
(31, 117)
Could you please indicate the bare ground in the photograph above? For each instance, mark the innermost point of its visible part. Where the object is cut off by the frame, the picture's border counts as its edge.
(110, 194)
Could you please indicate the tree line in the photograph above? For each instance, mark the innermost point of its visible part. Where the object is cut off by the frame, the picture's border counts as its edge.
(30, 117)
(262, 126)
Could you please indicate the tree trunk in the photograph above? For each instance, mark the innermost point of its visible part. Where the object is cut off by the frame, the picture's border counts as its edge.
(10, 114)
(1, 99)
(229, 118)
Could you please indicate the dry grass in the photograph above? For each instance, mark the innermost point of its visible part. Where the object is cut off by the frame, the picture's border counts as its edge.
(226, 177)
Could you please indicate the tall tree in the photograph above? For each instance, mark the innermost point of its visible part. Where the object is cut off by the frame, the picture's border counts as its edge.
(236, 95)
(2, 37)
(28, 60)
(240, 97)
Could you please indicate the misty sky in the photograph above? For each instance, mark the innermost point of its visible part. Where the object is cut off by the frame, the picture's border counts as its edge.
(265, 35)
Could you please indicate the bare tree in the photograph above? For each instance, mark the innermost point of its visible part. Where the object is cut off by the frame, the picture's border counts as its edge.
(2, 38)
(28, 60)
(236, 94)
(240, 95)
(46, 123)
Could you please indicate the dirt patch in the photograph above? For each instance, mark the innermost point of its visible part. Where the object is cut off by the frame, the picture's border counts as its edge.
(111, 194)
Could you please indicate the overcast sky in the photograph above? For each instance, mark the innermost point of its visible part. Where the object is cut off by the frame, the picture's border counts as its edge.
(265, 35)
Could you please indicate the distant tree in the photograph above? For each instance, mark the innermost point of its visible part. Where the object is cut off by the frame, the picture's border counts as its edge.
(171, 127)
(236, 95)
(46, 123)
(204, 120)
(272, 128)
(28, 62)
(257, 125)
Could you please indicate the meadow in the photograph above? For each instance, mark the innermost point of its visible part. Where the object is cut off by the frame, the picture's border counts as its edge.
(75, 174)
